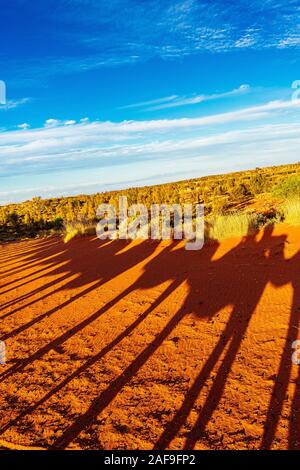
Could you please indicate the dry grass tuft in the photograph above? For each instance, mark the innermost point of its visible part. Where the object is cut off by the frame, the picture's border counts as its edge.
(77, 229)
(291, 211)
(231, 225)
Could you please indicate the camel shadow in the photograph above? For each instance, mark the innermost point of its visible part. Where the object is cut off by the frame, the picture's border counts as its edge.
(177, 266)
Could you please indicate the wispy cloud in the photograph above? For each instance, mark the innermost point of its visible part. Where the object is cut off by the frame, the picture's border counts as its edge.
(174, 101)
(290, 41)
(147, 30)
(12, 104)
(196, 99)
(184, 27)
(142, 104)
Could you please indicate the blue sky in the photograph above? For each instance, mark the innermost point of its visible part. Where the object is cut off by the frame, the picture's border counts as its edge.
(104, 95)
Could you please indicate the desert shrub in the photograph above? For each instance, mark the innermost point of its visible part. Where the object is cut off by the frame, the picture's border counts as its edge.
(219, 205)
(240, 190)
(268, 217)
(58, 223)
(13, 219)
(231, 225)
(258, 183)
(288, 188)
(291, 211)
(219, 190)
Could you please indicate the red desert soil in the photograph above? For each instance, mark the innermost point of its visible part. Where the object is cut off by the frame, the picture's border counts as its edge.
(142, 345)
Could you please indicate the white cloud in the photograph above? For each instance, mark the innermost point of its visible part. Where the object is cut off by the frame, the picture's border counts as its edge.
(112, 151)
(104, 131)
(52, 122)
(24, 126)
(86, 138)
(56, 122)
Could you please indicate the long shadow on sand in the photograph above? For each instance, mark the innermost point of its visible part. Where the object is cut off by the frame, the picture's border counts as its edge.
(235, 284)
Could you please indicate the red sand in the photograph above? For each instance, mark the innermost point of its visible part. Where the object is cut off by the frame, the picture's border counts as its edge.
(145, 345)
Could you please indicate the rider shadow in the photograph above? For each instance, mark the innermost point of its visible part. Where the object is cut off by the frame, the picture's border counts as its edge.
(242, 287)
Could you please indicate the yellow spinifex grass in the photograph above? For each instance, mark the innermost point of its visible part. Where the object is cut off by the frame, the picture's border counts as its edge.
(231, 225)
(76, 229)
(291, 211)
